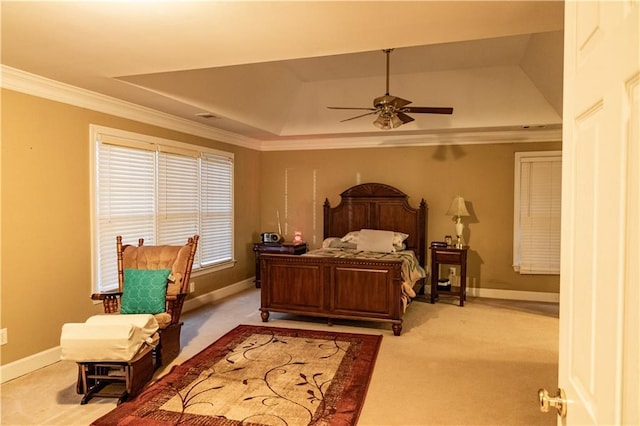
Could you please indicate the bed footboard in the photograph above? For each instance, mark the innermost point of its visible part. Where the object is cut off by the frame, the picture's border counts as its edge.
(355, 289)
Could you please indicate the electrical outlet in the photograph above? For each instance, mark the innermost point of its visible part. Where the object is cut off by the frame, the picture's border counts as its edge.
(3, 336)
(192, 287)
(453, 277)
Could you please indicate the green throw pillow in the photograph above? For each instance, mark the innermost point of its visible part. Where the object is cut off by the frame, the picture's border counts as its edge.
(145, 291)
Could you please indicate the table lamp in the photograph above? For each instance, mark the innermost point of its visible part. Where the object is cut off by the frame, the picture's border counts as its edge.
(458, 209)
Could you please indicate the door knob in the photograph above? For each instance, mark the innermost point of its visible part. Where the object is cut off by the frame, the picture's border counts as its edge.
(559, 401)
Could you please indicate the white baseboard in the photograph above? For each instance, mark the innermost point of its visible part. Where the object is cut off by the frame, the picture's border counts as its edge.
(216, 295)
(532, 296)
(50, 356)
(31, 363)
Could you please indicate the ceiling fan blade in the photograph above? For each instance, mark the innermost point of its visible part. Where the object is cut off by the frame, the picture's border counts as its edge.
(428, 110)
(404, 117)
(367, 109)
(358, 116)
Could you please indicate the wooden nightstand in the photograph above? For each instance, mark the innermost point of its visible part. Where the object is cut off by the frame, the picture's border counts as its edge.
(277, 248)
(449, 256)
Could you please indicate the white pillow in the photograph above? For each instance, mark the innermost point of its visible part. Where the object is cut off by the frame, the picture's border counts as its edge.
(328, 242)
(398, 239)
(375, 240)
(351, 237)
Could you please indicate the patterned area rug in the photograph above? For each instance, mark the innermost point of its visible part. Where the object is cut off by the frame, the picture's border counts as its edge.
(258, 375)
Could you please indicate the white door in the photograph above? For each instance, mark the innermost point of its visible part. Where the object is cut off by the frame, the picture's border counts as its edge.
(599, 365)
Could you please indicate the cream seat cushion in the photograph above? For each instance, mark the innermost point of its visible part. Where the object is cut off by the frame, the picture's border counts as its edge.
(108, 337)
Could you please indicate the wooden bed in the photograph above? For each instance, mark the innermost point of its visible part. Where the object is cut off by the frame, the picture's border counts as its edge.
(342, 288)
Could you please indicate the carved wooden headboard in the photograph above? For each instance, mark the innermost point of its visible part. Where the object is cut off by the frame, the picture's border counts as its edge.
(378, 206)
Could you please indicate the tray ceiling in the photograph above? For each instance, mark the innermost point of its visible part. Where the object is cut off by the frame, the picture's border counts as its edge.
(268, 70)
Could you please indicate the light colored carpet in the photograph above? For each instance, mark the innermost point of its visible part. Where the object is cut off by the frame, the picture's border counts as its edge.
(477, 365)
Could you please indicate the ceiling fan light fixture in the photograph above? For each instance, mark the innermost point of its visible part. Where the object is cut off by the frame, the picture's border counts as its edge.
(382, 122)
(387, 121)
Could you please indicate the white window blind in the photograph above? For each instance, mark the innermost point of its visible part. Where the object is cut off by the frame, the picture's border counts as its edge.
(216, 207)
(537, 212)
(162, 191)
(177, 197)
(126, 181)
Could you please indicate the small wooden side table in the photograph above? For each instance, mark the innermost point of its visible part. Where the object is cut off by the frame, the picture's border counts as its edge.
(277, 248)
(449, 256)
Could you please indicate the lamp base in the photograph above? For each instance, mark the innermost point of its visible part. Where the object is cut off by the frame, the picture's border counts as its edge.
(459, 229)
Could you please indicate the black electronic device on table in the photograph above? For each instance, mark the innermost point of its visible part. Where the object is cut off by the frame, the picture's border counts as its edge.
(270, 237)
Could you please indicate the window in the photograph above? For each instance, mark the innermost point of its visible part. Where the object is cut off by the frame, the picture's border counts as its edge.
(536, 233)
(160, 190)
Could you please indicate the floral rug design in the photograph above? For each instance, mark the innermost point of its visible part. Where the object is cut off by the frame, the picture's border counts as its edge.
(258, 375)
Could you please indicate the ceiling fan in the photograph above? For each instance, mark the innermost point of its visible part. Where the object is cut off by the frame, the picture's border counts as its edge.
(392, 110)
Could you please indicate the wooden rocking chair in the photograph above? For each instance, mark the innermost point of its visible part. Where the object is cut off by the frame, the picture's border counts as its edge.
(179, 259)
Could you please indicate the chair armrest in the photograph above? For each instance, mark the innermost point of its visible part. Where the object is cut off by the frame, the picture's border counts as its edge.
(110, 301)
(107, 295)
(174, 297)
(174, 306)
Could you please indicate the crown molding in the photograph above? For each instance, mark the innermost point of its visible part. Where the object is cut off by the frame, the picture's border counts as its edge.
(32, 84)
(459, 137)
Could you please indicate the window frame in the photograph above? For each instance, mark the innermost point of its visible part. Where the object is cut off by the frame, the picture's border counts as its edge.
(99, 134)
(520, 159)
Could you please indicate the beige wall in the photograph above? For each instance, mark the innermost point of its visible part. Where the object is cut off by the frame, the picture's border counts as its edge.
(482, 174)
(46, 252)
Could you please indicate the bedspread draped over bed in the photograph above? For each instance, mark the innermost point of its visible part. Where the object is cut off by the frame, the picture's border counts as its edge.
(411, 269)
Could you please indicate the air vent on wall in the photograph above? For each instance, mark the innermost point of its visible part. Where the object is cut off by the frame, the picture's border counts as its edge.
(205, 115)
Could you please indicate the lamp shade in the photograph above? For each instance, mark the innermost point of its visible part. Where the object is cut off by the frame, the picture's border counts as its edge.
(457, 207)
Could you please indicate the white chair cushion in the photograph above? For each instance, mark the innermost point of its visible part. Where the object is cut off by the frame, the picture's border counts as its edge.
(146, 322)
(108, 337)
